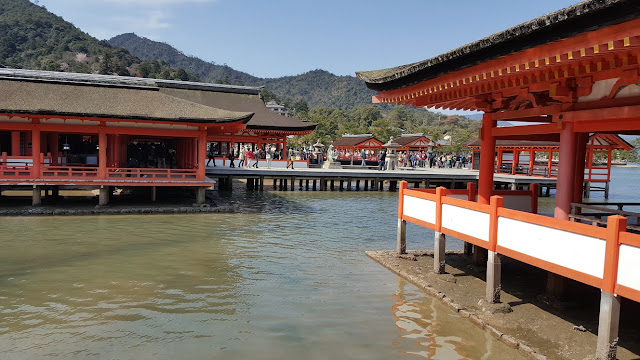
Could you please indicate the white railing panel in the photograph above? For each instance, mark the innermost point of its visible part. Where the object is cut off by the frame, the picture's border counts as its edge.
(469, 222)
(420, 209)
(574, 251)
(629, 266)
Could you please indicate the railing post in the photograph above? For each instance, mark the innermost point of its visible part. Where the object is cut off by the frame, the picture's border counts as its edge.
(402, 224)
(534, 189)
(439, 240)
(493, 259)
(609, 302)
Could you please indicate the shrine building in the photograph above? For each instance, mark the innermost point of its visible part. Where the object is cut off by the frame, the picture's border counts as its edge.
(65, 130)
(569, 75)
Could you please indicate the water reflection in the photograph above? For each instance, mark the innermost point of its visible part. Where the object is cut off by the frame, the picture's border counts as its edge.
(430, 330)
(286, 277)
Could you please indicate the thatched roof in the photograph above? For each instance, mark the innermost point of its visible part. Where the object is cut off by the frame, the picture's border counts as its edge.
(586, 16)
(20, 96)
(263, 118)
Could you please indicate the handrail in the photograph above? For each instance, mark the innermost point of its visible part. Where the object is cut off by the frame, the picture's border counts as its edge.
(554, 232)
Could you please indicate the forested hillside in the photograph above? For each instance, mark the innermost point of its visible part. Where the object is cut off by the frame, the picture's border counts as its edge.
(33, 38)
(317, 87)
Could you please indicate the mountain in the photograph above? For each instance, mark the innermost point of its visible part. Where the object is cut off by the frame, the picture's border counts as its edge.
(318, 88)
(33, 38)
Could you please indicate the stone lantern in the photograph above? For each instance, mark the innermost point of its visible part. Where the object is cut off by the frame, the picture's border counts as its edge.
(392, 155)
(318, 151)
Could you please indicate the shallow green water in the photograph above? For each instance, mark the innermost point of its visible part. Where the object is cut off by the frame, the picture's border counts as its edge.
(286, 279)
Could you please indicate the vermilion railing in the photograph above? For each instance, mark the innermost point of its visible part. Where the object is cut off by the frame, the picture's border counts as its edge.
(597, 174)
(68, 172)
(152, 174)
(606, 258)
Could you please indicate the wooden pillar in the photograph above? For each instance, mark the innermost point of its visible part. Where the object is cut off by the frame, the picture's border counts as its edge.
(261, 183)
(202, 155)
(332, 185)
(153, 194)
(358, 185)
(487, 158)
(314, 185)
(515, 161)
(341, 184)
(566, 172)
(306, 184)
(366, 185)
(35, 151)
(550, 163)
(349, 182)
(102, 155)
(532, 158)
(300, 184)
(15, 143)
(293, 183)
(581, 153)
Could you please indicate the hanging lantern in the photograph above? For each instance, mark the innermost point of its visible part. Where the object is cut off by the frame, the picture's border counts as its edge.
(66, 146)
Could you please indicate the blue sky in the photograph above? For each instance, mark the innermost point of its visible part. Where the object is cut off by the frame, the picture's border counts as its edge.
(290, 37)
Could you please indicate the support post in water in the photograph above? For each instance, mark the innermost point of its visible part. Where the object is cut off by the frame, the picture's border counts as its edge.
(609, 319)
(439, 240)
(36, 199)
(200, 192)
(439, 245)
(103, 196)
(494, 267)
(402, 224)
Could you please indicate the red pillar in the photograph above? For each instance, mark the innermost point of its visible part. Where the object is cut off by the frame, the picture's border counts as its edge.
(15, 143)
(202, 155)
(581, 152)
(35, 151)
(285, 153)
(516, 161)
(532, 158)
(566, 172)
(102, 154)
(487, 158)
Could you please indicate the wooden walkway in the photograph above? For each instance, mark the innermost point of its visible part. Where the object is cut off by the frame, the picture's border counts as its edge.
(363, 179)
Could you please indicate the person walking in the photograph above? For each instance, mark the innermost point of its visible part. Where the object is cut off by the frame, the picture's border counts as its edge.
(257, 155)
(363, 155)
(211, 155)
(243, 154)
(383, 157)
(290, 161)
(268, 157)
(231, 157)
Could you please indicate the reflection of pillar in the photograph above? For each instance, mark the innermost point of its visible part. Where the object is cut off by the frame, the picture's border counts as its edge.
(15, 143)
(487, 158)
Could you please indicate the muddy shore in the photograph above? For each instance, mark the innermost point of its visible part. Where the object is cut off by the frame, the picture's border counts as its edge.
(527, 319)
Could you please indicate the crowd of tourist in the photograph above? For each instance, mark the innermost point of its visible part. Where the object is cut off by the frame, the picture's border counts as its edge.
(150, 155)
